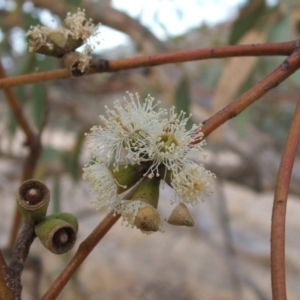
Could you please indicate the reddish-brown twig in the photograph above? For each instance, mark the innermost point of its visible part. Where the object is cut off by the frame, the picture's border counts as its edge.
(279, 209)
(83, 251)
(288, 67)
(100, 66)
(20, 253)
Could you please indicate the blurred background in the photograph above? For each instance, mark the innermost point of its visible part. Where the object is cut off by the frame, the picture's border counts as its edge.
(226, 254)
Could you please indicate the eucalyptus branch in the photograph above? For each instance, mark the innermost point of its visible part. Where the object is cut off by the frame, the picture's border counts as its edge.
(279, 209)
(20, 254)
(102, 66)
(288, 67)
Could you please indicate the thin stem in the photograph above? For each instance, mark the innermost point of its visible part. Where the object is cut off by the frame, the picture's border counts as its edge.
(5, 292)
(17, 109)
(20, 254)
(204, 53)
(33, 142)
(100, 66)
(83, 251)
(288, 67)
(279, 208)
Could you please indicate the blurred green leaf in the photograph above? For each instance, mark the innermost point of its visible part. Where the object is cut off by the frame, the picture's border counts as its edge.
(249, 14)
(281, 30)
(29, 20)
(49, 154)
(183, 99)
(24, 67)
(56, 194)
(73, 4)
(38, 104)
(70, 159)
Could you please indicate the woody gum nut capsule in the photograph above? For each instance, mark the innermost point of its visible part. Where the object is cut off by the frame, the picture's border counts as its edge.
(32, 200)
(56, 235)
(181, 216)
(67, 217)
(76, 63)
(147, 219)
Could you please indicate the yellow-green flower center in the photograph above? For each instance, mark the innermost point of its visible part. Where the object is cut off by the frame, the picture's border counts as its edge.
(168, 142)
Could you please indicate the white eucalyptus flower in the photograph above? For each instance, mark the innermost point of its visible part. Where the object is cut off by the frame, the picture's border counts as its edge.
(126, 131)
(193, 183)
(102, 181)
(61, 40)
(173, 143)
(138, 140)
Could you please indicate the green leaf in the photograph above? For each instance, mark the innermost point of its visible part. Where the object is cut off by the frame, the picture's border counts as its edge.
(38, 104)
(183, 99)
(249, 15)
(49, 154)
(73, 4)
(70, 159)
(56, 194)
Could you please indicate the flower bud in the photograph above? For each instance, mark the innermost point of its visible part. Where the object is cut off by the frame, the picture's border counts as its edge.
(32, 200)
(148, 191)
(181, 216)
(147, 219)
(127, 176)
(58, 232)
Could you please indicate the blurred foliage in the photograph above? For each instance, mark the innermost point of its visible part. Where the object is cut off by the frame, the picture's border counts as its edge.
(183, 99)
(74, 106)
(249, 16)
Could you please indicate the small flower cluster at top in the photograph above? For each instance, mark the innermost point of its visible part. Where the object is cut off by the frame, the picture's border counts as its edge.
(139, 145)
(63, 40)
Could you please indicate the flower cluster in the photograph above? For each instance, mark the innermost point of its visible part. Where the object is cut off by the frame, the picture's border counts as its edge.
(59, 41)
(140, 144)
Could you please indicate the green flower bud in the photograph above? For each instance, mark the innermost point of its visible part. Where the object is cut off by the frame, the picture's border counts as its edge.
(148, 191)
(127, 176)
(181, 216)
(147, 219)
